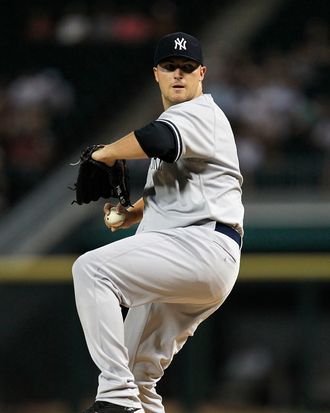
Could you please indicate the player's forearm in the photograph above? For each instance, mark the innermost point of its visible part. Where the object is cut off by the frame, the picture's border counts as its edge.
(125, 148)
(138, 205)
(137, 210)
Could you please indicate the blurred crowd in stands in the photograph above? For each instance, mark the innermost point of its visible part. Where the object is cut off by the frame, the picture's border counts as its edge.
(105, 21)
(277, 102)
(32, 101)
(279, 107)
(28, 147)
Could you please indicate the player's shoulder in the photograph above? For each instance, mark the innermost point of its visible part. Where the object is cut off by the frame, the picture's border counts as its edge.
(204, 100)
(203, 103)
(202, 107)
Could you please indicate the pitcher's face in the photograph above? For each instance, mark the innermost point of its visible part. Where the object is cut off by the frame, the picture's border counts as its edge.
(179, 80)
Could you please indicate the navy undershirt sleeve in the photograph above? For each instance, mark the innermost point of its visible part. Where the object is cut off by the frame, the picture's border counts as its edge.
(158, 140)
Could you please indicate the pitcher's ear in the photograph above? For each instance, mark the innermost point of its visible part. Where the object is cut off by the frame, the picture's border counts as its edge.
(203, 71)
(156, 74)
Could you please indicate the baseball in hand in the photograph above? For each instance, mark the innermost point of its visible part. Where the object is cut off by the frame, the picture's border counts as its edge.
(114, 218)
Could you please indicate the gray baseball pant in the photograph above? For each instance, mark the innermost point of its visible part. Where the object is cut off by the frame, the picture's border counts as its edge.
(171, 280)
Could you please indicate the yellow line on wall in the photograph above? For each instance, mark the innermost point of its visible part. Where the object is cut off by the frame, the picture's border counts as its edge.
(48, 269)
(254, 267)
(285, 267)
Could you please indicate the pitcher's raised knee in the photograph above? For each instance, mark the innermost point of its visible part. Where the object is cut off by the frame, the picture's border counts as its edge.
(82, 267)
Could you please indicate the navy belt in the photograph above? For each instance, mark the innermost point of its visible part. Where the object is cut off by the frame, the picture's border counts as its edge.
(229, 231)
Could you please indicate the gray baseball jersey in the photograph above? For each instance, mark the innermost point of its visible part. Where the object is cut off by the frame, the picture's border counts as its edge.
(203, 185)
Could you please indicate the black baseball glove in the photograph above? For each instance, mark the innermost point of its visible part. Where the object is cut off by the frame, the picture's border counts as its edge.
(97, 180)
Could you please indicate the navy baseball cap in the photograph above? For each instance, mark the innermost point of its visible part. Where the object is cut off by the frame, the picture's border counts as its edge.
(178, 44)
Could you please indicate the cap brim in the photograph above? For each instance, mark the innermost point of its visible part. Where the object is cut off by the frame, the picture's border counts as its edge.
(177, 55)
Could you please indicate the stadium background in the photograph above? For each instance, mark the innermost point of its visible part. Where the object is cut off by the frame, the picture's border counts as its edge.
(73, 73)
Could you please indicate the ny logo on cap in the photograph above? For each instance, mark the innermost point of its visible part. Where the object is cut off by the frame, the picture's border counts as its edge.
(180, 43)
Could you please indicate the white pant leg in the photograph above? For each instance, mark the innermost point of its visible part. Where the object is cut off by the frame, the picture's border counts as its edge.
(165, 329)
(101, 318)
(192, 265)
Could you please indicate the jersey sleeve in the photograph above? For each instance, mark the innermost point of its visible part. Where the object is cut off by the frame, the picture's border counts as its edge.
(193, 127)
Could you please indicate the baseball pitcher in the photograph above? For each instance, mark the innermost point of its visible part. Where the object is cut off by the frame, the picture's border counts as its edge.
(184, 259)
